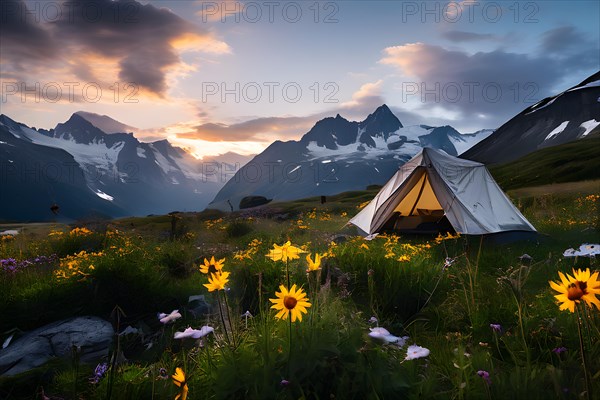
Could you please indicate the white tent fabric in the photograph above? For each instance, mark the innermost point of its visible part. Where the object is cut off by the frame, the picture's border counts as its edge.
(464, 190)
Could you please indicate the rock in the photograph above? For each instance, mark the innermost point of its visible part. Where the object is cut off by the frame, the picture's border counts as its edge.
(253, 201)
(525, 258)
(339, 239)
(9, 232)
(91, 335)
(198, 306)
(281, 217)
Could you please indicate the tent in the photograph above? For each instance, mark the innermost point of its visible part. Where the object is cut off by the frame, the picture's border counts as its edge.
(436, 192)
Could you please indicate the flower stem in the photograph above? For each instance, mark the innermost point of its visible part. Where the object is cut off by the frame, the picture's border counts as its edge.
(588, 386)
(287, 274)
(223, 318)
(229, 318)
(487, 391)
(290, 349)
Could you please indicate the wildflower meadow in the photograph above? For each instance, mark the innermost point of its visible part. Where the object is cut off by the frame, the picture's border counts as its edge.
(285, 302)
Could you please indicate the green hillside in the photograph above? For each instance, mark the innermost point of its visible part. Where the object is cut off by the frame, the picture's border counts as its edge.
(569, 162)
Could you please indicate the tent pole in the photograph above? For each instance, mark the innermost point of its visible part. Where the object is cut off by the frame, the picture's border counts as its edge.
(419, 195)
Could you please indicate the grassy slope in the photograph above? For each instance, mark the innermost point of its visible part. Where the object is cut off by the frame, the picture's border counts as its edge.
(565, 170)
(570, 162)
(408, 301)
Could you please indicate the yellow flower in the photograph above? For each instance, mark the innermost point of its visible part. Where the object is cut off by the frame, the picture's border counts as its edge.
(217, 281)
(212, 266)
(313, 266)
(293, 302)
(573, 289)
(364, 246)
(179, 381)
(404, 258)
(80, 231)
(285, 252)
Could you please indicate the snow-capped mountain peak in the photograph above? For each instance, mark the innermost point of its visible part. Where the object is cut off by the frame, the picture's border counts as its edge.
(337, 155)
(106, 123)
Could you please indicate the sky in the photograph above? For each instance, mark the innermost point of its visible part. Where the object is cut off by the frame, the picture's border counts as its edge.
(219, 76)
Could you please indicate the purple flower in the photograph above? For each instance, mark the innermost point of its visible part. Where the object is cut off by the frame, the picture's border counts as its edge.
(162, 374)
(496, 327)
(284, 382)
(559, 350)
(11, 265)
(99, 373)
(485, 376)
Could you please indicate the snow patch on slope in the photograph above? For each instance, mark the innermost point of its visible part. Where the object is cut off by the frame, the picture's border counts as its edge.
(465, 142)
(95, 155)
(587, 85)
(103, 195)
(557, 130)
(535, 107)
(588, 126)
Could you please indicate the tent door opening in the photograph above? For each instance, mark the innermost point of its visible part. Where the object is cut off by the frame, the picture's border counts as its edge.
(419, 211)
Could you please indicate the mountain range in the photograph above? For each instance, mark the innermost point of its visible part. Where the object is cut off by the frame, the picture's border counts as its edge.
(338, 155)
(92, 165)
(87, 171)
(568, 116)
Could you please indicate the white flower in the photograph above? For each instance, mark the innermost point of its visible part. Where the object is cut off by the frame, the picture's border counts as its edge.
(385, 336)
(448, 262)
(193, 333)
(247, 314)
(413, 352)
(373, 320)
(166, 318)
(401, 341)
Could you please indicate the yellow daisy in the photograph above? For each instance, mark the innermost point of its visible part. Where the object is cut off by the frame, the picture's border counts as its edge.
(212, 266)
(285, 252)
(217, 281)
(581, 286)
(313, 266)
(293, 302)
(179, 380)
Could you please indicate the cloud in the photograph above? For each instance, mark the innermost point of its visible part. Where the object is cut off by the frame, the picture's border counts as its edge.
(483, 85)
(266, 129)
(463, 36)
(101, 40)
(258, 129)
(366, 94)
(566, 42)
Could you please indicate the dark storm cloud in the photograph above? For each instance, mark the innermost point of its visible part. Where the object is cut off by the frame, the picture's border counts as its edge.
(493, 86)
(559, 40)
(140, 40)
(21, 36)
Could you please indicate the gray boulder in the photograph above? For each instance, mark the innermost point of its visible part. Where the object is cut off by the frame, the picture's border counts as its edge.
(92, 337)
